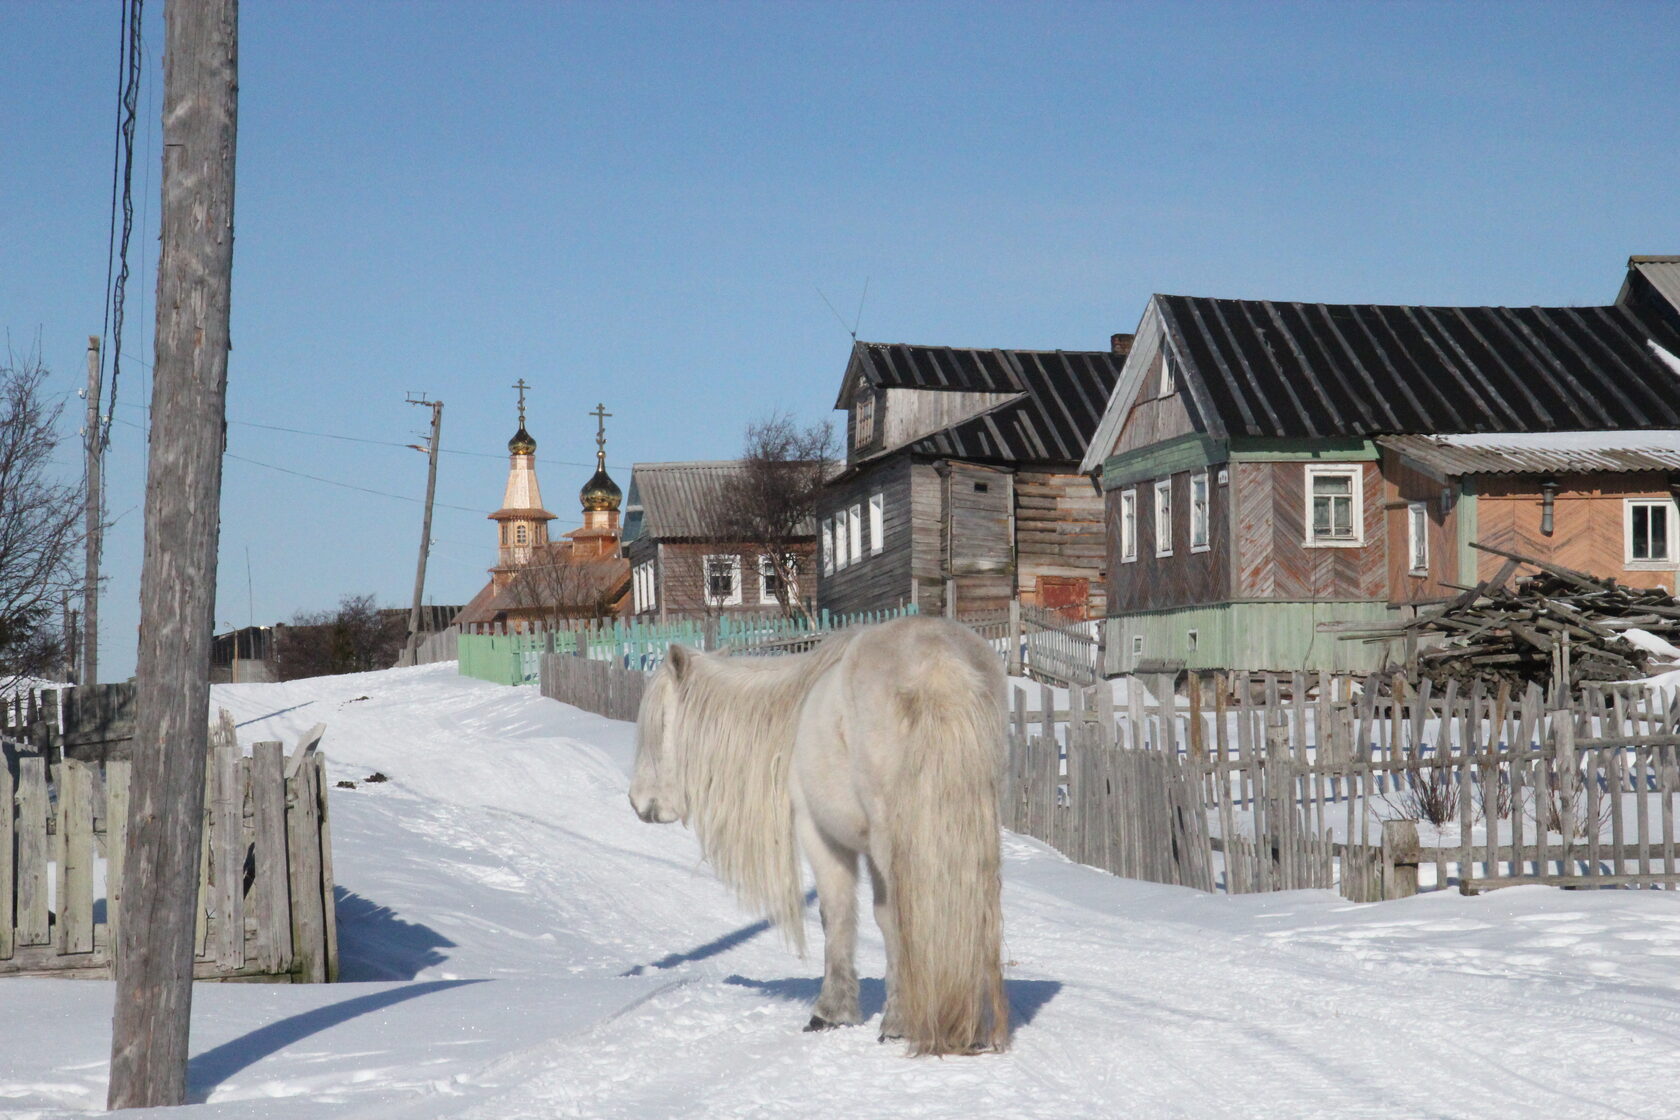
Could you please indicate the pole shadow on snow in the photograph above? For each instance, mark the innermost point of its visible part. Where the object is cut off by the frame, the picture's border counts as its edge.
(1026, 997)
(216, 1065)
(711, 948)
(375, 944)
(277, 712)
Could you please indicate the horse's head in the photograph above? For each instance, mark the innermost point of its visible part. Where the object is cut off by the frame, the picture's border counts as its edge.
(656, 791)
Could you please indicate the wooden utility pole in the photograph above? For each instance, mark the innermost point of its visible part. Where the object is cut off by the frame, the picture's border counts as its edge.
(425, 525)
(178, 580)
(90, 588)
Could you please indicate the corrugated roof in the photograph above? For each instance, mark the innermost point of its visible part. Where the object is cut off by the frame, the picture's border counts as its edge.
(673, 500)
(1540, 453)
(1661, 273)
(1063, 396)
(1302, 370)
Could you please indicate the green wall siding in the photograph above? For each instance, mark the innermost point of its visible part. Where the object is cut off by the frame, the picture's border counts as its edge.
(1255, 636)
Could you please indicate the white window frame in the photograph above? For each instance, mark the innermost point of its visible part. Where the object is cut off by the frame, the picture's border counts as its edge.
(877, 523)
(1166, 386)
(854, 530)
(826, 540)
(1355, 474)
(766, 566)
(733, 599)
(1201, 530)
(1192, 641)
(1137, 645)
(1417, 538)
(1672, 541)
(1163, 517)
(1128, 525)
(841, 536)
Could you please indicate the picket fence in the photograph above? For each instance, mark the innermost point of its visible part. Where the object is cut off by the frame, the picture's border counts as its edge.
(265, 898)
(1266, 782)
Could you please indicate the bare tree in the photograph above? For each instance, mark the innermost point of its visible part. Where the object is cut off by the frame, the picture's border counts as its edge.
(558, 588)
(770, 504)
(355, 638)
(40, 526)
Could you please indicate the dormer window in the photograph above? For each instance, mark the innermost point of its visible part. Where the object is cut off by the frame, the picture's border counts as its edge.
(863, 419)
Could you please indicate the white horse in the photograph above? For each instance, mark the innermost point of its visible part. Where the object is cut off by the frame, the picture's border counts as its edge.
(885, 742)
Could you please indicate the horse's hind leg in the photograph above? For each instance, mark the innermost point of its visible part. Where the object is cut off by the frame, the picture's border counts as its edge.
(891, 1024)
(835, 869)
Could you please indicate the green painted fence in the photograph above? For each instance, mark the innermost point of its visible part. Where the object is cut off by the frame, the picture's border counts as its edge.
(516, 658)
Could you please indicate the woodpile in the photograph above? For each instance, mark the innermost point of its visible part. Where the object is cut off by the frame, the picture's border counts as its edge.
(1556, 626)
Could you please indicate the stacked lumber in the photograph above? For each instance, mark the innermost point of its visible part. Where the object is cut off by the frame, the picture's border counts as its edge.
(1555, 626)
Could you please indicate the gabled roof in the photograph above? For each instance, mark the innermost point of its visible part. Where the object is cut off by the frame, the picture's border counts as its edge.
(1654, 282)
(1060, 395)
(1296, 370)
(673, 500)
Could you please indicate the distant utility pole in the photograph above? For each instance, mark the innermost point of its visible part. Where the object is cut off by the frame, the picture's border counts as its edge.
(425, 524)
(90, 588)
(178, 580)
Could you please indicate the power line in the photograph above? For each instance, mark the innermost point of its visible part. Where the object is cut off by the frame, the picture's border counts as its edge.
(128, 101)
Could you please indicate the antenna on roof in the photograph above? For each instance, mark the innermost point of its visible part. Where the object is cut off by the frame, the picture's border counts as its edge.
(859, 320)
(838, 317)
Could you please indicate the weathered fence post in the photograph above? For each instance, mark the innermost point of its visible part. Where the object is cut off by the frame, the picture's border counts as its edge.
(1013, 659)
(1400, 854)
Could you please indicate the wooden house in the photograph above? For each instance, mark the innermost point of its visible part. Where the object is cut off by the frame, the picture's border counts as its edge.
(1271, 467)
(680, 566)
(961, 483)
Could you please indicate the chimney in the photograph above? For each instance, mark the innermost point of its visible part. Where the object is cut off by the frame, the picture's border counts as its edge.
(1120, 344)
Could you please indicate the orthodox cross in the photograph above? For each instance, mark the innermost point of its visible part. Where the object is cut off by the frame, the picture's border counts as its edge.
(601, 415)
(521, 386)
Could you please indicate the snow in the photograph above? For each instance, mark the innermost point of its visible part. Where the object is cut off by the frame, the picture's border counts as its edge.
(519, 945)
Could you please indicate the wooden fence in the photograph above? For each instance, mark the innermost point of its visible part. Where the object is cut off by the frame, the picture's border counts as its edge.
(265, 908)
(1264, 783)
(601, 687)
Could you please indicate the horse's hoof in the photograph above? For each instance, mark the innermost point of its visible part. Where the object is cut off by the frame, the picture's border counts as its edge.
(818, 1023)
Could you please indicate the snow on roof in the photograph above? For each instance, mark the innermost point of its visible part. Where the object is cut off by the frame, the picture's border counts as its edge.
(1541, 452)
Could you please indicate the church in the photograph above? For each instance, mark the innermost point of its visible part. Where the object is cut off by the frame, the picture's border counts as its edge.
(542, 583)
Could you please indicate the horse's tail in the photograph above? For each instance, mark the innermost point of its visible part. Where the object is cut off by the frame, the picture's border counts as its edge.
(944, 877)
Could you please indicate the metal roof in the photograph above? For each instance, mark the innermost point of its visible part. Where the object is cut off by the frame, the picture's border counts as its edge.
(1661, 274)
(1303, 370)
(673, 500)
(1065, 393)
(1539, 453)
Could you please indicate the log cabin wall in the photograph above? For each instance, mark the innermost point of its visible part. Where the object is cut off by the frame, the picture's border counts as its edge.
(1060, 541)
(1404, 485)
(680, 577)
(1182, 578)
(881, 577)
(1589, 523)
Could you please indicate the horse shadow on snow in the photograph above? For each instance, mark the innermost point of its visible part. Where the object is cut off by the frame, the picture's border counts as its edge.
(1026, 997)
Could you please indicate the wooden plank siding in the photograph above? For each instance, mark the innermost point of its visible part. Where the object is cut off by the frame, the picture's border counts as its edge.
(680, 577)
(1404, 485)
(1182, 578)
(1588, 523)
(1154, 419)
(879, 578)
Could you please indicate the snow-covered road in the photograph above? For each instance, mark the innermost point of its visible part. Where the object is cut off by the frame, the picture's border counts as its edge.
(524, 947)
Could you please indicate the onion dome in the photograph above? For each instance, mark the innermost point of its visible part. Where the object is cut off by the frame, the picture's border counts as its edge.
(522, 443)
(601, 493)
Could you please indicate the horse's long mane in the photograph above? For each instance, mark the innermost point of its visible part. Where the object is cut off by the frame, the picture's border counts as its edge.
(732, 730)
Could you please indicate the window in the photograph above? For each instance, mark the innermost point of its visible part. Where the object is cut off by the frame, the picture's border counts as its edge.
(519, 534)
(642, 587)
(1163, 517)
(877, 523)
(825, 541)
(1417, 536)
(854, 530)
(1191, 639)
(1650, 533)
(1166, 387)
(771, 577)
(1128, 525)
(841, 536)
(723, 581)
(1137, 644)
(863, 419)
(1199, 512)
(1335, 514)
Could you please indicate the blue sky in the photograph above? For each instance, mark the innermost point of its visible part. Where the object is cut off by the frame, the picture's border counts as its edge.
(639, 203)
